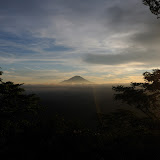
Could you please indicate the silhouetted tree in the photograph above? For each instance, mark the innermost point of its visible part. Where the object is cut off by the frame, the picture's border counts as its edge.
(144, 96)
(1, 74)
(17, 109)
(154, 6)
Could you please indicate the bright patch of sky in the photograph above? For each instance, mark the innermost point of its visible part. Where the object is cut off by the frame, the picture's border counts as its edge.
(104, 41)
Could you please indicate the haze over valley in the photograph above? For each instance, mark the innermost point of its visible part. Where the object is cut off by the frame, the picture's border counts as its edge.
(76, 100)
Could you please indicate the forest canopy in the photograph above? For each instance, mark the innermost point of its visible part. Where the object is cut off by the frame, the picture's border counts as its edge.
(144, 96)
(17, 109)
(154, 6)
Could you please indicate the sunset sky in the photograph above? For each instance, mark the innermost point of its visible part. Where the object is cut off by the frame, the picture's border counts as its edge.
(104, 41)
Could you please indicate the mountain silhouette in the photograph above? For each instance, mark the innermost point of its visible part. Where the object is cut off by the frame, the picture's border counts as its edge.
(76, 80)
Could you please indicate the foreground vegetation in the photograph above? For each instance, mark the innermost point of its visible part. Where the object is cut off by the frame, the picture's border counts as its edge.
(25, 134)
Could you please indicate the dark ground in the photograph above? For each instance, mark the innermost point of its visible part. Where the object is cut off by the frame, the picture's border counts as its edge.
(79, 103)
(75, 133)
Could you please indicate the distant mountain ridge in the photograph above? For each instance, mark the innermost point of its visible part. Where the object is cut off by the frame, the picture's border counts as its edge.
(76, 80)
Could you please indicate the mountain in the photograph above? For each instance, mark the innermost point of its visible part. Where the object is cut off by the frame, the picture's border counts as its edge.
(76, 80)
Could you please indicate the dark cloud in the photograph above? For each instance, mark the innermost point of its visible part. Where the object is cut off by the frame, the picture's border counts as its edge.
(19, 7)
(148, 37)
(149, 58)
(44, 7)
(72, 23)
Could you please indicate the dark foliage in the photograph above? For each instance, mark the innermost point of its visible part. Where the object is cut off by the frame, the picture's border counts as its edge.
(18, 110)
(154, 6)
(27, 133)
(144, 96)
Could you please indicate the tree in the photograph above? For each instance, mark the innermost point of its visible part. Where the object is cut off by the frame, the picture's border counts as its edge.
(1, 74)
(144, 96)
(17, 109)
(154, 6)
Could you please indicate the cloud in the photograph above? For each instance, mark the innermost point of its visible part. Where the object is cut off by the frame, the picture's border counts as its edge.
(95, 36)
(141, 56)
(71, 23)
(83, 25)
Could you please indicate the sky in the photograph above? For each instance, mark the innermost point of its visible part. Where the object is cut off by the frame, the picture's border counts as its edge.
(104, 41)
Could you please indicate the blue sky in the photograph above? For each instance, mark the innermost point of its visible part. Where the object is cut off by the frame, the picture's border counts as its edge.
(104, 41)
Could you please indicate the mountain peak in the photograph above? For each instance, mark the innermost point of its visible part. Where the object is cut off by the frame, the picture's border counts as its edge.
(76, 80)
